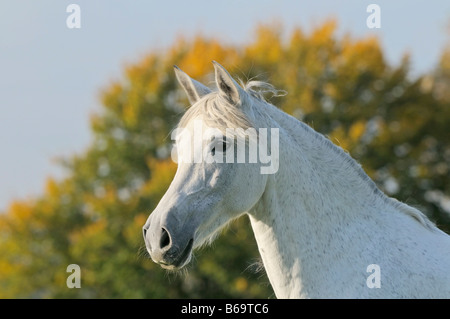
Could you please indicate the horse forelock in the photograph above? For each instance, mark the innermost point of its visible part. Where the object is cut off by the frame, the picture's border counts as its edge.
(218, 112)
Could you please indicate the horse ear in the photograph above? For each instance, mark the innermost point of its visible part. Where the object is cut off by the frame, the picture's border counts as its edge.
(228, 87)
(194, 89)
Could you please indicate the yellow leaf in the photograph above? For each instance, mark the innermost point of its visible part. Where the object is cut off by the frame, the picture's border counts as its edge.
(357, 130)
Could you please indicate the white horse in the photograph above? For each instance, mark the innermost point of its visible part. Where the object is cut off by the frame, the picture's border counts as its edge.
(323, 228)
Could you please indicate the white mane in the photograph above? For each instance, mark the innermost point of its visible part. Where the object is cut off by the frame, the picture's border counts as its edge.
(219, 113)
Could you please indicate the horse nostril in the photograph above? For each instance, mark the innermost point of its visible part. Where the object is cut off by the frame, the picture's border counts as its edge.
(144, 231)
(165, 239)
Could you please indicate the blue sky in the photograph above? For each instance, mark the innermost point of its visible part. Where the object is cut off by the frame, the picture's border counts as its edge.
(50, 75)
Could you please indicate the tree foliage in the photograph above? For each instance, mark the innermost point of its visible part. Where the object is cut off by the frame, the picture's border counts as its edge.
(394, 124)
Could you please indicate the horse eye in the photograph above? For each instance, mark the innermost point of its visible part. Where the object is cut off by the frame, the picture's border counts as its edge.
(224, 148)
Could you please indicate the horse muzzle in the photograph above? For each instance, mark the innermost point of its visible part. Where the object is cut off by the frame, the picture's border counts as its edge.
(166, 248)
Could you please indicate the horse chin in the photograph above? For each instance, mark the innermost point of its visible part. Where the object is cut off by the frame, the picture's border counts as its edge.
(182, 260)
(179, 266)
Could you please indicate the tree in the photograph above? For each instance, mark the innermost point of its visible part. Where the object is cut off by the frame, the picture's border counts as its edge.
(394, 124)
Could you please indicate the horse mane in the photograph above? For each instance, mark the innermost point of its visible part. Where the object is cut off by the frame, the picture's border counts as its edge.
(219, 113)
(258, 89)
(402, 207)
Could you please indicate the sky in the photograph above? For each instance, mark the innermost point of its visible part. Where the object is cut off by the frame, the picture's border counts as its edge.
(51, 75)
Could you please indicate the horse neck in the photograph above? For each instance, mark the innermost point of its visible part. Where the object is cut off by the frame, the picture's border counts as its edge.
(309, 207)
